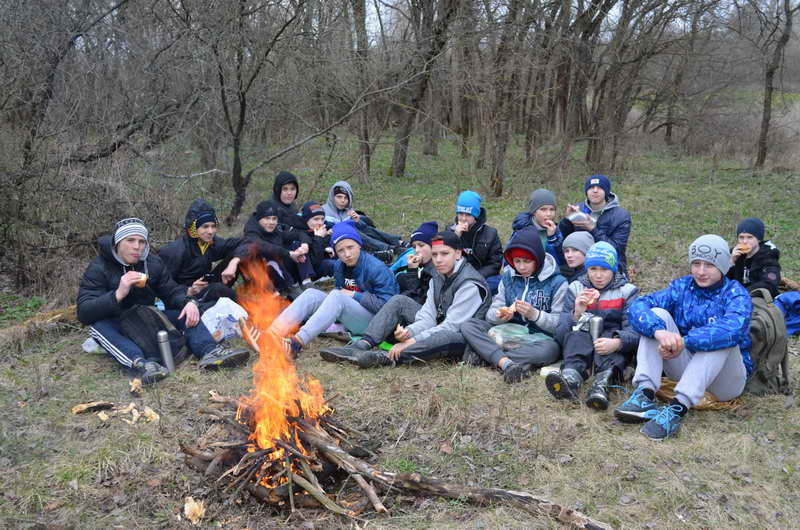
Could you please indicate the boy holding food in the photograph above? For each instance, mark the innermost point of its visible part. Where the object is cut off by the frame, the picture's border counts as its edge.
(754, 262)
(531, 293)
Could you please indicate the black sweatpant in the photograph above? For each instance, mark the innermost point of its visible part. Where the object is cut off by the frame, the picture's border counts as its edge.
(579, 355)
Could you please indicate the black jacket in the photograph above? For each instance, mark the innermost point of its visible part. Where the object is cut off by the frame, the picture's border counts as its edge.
(316, 247)
(414, 282)
(183, 258)
(482, 247)
(96, 300)
(762, 270)
(269, 245)
(287, 213)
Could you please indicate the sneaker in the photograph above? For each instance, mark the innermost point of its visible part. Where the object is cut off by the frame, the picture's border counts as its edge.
(223, 357)
(336, 331)
(471, 357)
(346, 354)
(373, 358)
(664, 424)
(597, 397)
(149, 371)
(564, 384)
(515, 372)
(292, 346)
(637, 408)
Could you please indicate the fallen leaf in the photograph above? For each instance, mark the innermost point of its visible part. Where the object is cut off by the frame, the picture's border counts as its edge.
(136, 386)
(446, 448)
(154, 482)
(103, 416)
(150, 414)
(55, 505)
(194, 510)
(93, 406)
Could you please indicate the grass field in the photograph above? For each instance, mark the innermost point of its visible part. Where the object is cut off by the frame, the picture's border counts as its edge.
(725, 470)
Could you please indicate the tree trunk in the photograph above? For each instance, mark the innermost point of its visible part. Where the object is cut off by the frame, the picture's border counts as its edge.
(362, 45)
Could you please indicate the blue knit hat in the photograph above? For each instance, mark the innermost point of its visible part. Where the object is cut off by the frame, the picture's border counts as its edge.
(598, 180)
(753, 226)
(425, 232)
(469, 202)
(345, 230)
(601, 254)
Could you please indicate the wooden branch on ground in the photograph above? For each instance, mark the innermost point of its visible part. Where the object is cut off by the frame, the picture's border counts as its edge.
(790, 285)
(372, 495)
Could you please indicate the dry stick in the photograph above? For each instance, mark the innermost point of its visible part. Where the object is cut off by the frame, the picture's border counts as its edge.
(193, 451)
(212, 467)
(233, 423)
(291, 477)
(336, 395)
(283, 445)
(344, 427)
(228, 445)
(247, 480)
(310, 475)
(321, 497)
(371, 494)
(416, 482)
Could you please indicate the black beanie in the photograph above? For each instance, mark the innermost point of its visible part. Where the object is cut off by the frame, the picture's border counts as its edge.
(312, 209)
(266, 209)
(753, 226)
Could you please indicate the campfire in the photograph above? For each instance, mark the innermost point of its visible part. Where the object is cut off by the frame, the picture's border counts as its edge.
(289, 451)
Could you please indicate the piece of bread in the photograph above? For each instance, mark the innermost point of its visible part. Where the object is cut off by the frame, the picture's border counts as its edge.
(594, 298)
(744, 248)
(142, 281)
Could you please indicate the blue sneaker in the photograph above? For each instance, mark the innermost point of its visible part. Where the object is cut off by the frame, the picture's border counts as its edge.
(665, 423)
(637, 408)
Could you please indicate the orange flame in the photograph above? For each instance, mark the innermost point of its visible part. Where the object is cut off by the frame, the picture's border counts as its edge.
(279, 392)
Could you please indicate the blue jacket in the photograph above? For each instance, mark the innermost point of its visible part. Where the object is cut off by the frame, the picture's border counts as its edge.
(374, 279)
(613, 225)
(709, 319)
(552, 244)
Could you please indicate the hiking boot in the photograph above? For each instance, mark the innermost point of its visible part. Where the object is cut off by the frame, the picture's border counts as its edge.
(637, 408)
(515, 372)
(373, 358)
(223, 357)
(597, 397)
(564, 384)
(471, 357)
(149, 371)
(665, 423)
(292, 347)
(345, 354)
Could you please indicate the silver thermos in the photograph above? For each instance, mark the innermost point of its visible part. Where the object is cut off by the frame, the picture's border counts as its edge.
(166, 351)
(595, 327)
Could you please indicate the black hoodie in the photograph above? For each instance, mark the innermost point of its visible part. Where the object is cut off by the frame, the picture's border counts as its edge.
(482, 247)
(269, 245)
(762, 270)
(183, 257)
(287, 213)
(96, 299)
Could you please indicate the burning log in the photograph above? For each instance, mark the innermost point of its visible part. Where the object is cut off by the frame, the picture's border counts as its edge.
(291, 445)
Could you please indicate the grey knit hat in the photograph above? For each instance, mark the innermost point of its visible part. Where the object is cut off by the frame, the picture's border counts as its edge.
(579, 240)
(713, 249)
(539, 198)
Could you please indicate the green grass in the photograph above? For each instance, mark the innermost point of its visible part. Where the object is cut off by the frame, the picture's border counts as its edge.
(15, 308)
(462, 424)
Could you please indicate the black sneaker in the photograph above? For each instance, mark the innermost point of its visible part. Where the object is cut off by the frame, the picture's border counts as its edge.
(223, 357)
(346, 354)
(597, 398)
(373, 358)
(515, 372)
(149, 371)
(564, 384)
(471, 358)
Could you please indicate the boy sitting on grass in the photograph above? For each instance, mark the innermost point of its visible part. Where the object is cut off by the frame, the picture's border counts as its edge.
(541, 215)
(575, 247)
(604, 292)
(754, 262)
(363, 285)
(480, 243)
(697, 332)
(531, 293)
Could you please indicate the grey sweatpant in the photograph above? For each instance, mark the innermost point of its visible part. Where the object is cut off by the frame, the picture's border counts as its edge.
(720, 372)
(541, 353)
(319, 310)
(400, 309)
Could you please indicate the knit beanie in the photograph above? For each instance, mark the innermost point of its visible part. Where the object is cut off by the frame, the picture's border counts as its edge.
(598, 180)
(449, 239)
(425, 232)
(312, 209)
(345, 230)
(601, 254)
(713, 249)
(129, 227)
(266, 209)
(469, 202)
(752, 226)
(539, 198)
(580, 240)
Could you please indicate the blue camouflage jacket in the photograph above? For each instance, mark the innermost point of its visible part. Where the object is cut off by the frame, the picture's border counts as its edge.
(709, 319)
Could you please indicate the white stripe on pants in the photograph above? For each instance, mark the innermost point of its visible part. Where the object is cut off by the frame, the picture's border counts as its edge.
(110, 348)
(720, 372)
(319, 310)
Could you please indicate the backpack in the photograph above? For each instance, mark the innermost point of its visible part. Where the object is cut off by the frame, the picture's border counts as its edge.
(770, 347)
(141, 324)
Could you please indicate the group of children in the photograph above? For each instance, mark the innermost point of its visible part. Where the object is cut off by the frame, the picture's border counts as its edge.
(558, 290)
